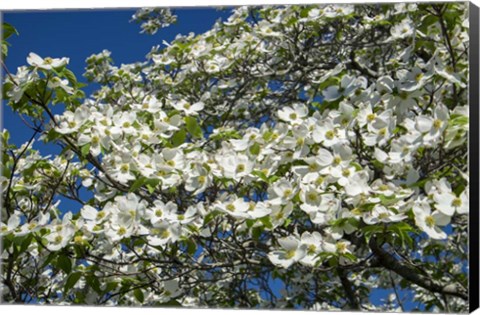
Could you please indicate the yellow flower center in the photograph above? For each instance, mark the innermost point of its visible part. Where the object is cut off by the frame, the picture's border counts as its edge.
(95, 140)
(122, 231)
(312, 196)
(430, 221)
(383, 215)
(337, 160)
(383, 187)
(330, 134)
(418, 77)
(290, 254)
(437, 124)
(100, 215)
(165, 234)
(457, 202)
(78, 239)
(240, 168)
(356, 211)
(341, 247)
(313, 167)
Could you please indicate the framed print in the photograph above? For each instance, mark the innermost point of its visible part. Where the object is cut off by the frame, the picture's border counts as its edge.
(285, 156)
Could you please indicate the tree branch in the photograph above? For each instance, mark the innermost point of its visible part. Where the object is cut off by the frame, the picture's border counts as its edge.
(347, 286)
(410, 274)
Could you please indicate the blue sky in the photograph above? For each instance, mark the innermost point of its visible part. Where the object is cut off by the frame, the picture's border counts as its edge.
(79, 34)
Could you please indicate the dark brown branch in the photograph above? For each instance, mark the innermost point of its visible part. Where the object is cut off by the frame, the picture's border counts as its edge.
(410, 274)
(347, 287)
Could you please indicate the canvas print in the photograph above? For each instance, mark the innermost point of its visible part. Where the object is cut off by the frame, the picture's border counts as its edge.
(306, 157)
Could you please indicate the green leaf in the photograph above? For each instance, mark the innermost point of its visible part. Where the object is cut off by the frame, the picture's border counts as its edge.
(4, 49)
(255, 149)
(26, 242)
(209, 217)
(179, 137)
(266, 222)
(256, 233)
(427, 21)
(93, 282)
(267, 135)
(193, 127)
(349, 256)
(191, 246)
(8, 30)
(139, 295)
(402, 229)
(85, 150)
(49, 259)
(387, 200)
(64, 263)
(137, 184)
(152, 184)
(171, 303)
(370, 230)
(459, 121)
(273, 179)
(250, 223)
(111, 286)
(261, 175)
(70, 76)
(287, 222)
(72, 280)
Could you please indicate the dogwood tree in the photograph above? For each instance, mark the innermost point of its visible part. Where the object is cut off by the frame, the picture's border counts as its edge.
(302, 157)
